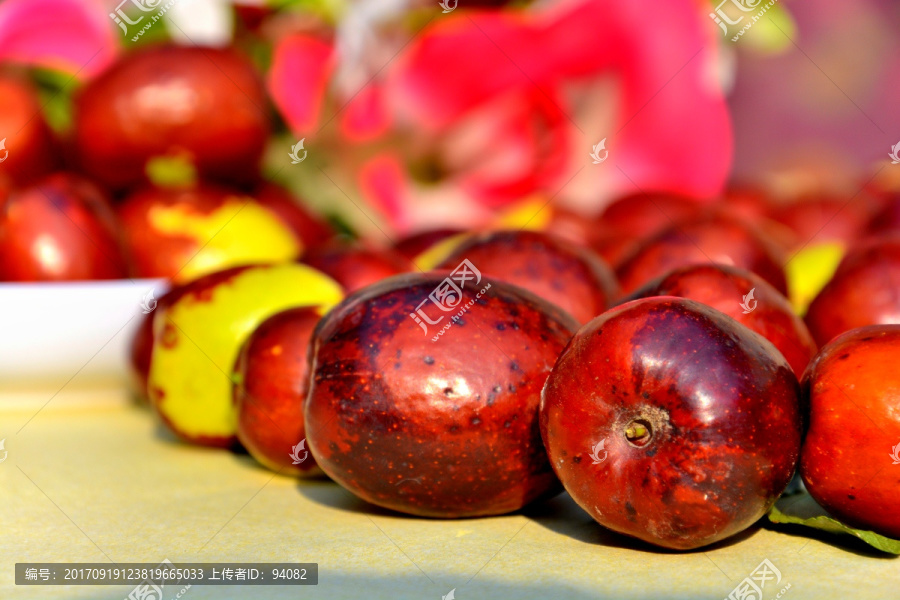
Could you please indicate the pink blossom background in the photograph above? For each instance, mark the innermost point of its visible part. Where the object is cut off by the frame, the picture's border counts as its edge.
(446, 120)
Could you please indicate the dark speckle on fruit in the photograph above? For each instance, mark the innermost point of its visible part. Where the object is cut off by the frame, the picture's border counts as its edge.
(454, 421)
(701, 420)
(630, 511)
(169, 337)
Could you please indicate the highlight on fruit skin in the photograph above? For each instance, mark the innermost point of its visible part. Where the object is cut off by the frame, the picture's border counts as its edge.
(163, 100)
(569, 276)
(699, 416)
(852, 393)
(862, 291)
(271, 381)
(762, 308)
(428, 423)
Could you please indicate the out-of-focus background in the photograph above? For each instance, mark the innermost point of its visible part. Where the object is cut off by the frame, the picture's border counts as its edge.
(385, 120)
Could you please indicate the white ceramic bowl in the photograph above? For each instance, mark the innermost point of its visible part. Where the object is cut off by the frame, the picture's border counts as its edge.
(69, 336)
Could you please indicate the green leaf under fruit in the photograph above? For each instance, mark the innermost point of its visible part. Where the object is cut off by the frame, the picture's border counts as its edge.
(823, 523)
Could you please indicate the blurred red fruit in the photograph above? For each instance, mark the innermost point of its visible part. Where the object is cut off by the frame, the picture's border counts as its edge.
(59, 229)
(204, 104)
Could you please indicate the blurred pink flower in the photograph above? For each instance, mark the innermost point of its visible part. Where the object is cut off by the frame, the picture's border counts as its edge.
(68, 35)
(483, 109)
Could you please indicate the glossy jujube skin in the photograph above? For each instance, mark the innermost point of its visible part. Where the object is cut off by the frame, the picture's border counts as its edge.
(570, 277)
(865, 290)
(697, 415)
(853, 393)
(59, 229)
(206, 104)
(272, 380)
(724, 288)
(444, 428)
(709, 238)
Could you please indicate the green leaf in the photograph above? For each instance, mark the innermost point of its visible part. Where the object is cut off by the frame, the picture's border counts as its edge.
(55, 89)
(831, 525)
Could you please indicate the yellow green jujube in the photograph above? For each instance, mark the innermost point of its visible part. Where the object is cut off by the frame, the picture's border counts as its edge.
(198, 337)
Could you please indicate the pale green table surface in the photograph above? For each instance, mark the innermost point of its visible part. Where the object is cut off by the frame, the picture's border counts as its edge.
(99, 482)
